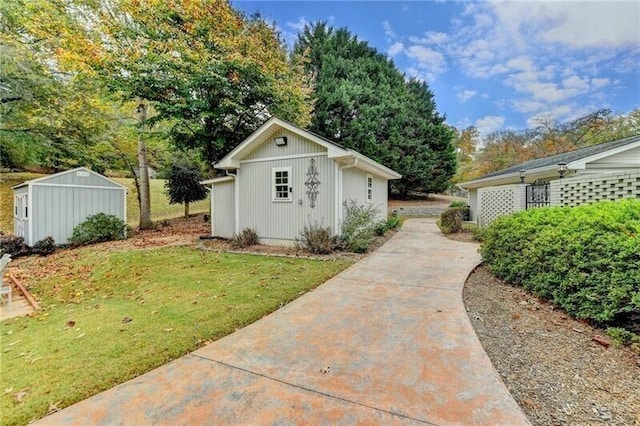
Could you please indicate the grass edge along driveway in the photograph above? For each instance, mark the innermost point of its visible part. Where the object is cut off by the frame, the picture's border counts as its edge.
(109, 317)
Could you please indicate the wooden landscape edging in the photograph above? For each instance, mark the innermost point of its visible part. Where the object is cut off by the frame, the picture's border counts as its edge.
(26, 293)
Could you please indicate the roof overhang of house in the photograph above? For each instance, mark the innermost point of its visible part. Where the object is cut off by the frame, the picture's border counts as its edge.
(232, 160)
(546, 172)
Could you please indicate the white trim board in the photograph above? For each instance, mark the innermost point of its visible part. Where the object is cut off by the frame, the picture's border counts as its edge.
(284, 157)
(69, 185)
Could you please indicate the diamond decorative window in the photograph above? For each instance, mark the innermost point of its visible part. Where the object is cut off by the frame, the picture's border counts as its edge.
(312, 183)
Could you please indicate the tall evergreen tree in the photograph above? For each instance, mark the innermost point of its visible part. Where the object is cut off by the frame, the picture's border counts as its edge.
(363, 101)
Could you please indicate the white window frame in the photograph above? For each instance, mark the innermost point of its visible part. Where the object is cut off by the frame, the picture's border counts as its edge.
(274, 192)
(369, 189)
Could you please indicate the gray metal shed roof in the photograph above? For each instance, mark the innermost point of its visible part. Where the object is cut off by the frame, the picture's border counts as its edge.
(566, 157)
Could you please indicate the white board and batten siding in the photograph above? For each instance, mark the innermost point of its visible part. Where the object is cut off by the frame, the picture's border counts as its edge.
(223, 209)
(57, 203)
(321, 176)
(275, 221)
(296, 146)
(354, 187)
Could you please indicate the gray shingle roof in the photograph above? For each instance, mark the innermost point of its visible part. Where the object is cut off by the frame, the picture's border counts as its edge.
(566, 157)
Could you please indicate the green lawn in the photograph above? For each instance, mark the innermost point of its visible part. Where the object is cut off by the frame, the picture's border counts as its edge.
(110, 316)
(160, 207)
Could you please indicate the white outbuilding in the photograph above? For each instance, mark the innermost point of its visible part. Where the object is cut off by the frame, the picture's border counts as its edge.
(283, 177)
(55, 204)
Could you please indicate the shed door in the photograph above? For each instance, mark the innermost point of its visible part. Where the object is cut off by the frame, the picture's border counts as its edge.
(21, 215)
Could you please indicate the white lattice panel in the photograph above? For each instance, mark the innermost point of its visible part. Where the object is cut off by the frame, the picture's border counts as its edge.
(594, 188)
(499, 201)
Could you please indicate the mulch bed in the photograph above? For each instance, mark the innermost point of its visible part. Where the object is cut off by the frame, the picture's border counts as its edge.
(560, 370)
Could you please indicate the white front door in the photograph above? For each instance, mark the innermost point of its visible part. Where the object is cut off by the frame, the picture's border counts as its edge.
(21, 214)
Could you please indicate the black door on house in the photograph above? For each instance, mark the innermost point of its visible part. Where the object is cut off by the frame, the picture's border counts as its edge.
(538, 194)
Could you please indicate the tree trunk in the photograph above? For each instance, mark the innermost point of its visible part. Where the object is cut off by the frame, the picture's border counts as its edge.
(186, 209)
(143, 169)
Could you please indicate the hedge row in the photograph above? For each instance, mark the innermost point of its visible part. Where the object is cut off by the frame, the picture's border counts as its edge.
(585, 259)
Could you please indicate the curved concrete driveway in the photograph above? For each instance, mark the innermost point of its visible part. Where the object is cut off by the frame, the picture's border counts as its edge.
(386, 341)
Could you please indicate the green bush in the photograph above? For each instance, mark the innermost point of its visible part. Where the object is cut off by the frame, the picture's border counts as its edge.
(458, 203)
(393, 221)
(478, 233)
(451, 220)
(380, 228)
(247, 237)
(620, 336)
(317, 239)
(44, 247)
(98, 228)
(358, 228)
(585, 259)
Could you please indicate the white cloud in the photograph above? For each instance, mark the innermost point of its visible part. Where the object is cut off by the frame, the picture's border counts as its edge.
(388, 31)
(555, 56)
(599, 83)
(395, 48)
(426, 58)
(420, 74)
(563, 112)
(577, 83)
(430, 37)
(299, 25)
(489, 124)
(465, 95)
(576, 24)
(528, 106)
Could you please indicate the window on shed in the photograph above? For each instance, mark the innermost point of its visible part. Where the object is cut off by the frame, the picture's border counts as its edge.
(281, 183)
(369, 188)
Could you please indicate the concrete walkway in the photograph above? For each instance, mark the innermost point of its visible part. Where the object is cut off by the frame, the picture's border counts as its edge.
(387, 341)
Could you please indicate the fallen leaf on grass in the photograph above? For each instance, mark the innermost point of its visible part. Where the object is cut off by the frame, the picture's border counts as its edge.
(53, 407)
(79, 336)
(168, 329)
(20, 395)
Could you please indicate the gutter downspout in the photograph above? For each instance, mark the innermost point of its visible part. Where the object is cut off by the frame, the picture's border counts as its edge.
(340, 193)
(236, 200)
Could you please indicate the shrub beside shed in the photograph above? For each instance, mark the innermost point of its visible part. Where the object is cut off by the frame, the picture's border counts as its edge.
(53, 205)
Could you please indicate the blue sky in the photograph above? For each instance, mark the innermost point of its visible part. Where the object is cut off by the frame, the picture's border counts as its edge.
(495, 65)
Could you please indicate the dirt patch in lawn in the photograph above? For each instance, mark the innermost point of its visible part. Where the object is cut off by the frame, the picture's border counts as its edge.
(464, 237)
(557, 368)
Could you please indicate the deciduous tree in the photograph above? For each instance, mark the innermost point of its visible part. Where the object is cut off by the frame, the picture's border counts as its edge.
(212, 73)
(183, 182)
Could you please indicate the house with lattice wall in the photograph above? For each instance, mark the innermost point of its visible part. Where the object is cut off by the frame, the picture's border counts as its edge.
(607, 171)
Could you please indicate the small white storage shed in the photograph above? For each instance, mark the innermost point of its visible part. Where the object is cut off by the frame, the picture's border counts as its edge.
(283, 177)
(53, 205)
